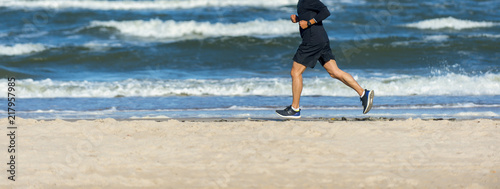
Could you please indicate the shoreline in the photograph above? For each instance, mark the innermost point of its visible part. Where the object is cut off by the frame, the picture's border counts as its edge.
(318, 119)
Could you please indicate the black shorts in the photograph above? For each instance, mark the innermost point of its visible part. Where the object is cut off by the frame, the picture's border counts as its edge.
(308, 55)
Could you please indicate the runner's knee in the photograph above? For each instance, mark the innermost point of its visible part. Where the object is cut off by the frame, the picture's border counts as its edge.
(295, 73)
(333, 76)
(297, 70)
(336, 73)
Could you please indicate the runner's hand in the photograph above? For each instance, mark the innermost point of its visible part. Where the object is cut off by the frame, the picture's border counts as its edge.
(303, 24)
(293, 17)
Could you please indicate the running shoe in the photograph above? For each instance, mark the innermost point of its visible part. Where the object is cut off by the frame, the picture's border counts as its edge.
(288, 112)
(367, 100)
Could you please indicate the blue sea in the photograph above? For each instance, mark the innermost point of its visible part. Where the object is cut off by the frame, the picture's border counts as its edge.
(123, 59)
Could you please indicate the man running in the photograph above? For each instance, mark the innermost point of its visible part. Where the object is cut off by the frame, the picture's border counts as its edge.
(315, 47)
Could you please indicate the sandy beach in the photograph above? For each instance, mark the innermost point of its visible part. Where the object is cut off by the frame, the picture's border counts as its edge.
(112, 153)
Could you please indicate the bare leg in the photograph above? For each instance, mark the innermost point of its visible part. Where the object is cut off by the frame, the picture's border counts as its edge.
(346, 78)
(296, 73)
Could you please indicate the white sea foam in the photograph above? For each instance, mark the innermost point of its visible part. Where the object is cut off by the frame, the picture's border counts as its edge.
(150, 117)
(476, 114)
(438, 106)
(19, 49)
(425, 39)
(486, 35)
(140, 5)
(451, 84)
(436, 38)
(450, 22)
(100, 46)
(170, 29)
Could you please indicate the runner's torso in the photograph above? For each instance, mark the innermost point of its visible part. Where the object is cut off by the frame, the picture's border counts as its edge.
(307, 10)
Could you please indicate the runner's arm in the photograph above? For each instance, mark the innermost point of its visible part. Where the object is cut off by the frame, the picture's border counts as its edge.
(321, 10)
(322, 14)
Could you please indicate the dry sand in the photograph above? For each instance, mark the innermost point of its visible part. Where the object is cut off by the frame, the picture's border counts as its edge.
(254, 154)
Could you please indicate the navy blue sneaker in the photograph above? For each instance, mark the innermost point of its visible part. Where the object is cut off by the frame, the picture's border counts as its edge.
(367, 100)
(288, 112)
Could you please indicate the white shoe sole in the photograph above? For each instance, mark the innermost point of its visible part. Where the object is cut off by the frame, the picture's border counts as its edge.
(370, 102)
(290, 117)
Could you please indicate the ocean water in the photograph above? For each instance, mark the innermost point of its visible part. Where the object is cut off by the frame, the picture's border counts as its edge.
(90, 59)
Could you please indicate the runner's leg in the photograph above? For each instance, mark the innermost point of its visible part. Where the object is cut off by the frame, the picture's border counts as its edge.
(346, 78)
(296, 73)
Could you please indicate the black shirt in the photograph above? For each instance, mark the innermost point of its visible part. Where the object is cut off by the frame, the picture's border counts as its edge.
(307, 10)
